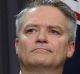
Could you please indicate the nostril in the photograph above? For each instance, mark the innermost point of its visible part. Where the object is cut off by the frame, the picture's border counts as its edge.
(41, 41)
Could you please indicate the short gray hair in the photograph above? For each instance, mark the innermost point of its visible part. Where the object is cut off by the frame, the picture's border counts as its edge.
(66, 10)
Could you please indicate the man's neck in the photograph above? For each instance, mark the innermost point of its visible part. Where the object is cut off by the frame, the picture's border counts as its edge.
(41, 71)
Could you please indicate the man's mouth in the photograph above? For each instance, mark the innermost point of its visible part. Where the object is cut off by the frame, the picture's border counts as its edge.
(42, 50)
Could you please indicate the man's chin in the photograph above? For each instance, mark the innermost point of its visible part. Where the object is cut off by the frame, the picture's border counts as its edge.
(40, 62)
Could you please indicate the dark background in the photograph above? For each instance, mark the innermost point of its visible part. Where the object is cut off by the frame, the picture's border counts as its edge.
(8, 59)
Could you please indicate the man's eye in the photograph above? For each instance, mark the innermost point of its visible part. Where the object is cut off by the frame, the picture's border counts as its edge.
(31, 31)
(54, 32)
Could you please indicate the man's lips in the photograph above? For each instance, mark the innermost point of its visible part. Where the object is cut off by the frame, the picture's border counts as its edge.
(42, 50)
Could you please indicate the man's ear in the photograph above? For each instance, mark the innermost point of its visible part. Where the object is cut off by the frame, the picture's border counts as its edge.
(17, 45)
(71, 49)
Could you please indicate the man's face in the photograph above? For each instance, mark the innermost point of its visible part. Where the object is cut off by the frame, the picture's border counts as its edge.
(43, 38)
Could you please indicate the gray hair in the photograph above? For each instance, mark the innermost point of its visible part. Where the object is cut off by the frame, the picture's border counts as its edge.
(66, 10)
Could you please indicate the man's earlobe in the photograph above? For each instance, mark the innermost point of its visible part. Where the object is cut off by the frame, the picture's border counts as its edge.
(71, 49)
(16, 45)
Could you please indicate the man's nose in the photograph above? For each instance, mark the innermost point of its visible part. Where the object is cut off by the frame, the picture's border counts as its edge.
(41, 37)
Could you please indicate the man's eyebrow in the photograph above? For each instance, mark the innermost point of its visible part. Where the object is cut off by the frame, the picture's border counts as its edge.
(30, 25)
(58, 28)
(55, 27)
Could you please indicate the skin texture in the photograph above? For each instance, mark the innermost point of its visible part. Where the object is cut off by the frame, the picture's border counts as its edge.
(43, 44)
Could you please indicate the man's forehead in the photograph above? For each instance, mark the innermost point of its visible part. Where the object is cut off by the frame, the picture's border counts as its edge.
(44, 10)
(44, 15)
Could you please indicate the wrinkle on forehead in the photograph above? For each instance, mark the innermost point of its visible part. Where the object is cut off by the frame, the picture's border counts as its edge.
(44, 10)
(45, 15)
